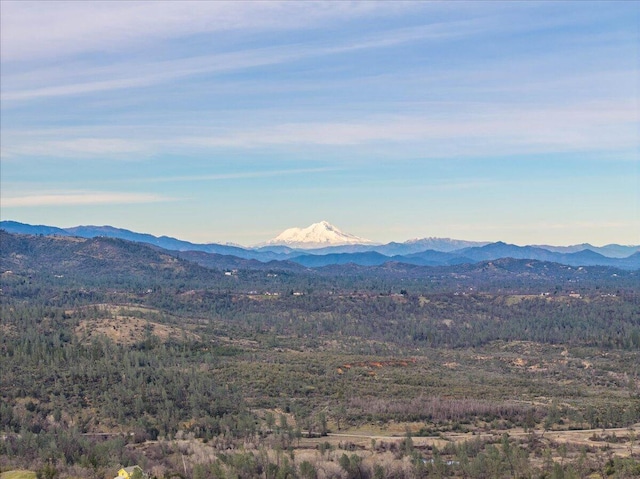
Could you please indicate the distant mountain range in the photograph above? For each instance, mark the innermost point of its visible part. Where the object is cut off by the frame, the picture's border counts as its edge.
(420, 252)
(142, 269)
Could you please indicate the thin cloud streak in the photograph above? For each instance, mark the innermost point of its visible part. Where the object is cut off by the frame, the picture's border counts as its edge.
(595, 126)
(79, 198)
(137, 75)
(51, 29)
(74, 148)
(238, 176)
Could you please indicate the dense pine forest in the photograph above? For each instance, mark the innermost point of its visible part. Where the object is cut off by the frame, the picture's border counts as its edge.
(115, 353)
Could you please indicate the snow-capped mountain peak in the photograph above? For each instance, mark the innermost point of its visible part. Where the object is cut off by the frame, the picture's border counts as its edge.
(442, 244)
(317, 235)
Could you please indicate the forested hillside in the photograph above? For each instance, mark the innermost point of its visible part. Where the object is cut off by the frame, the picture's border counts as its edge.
(113, 353)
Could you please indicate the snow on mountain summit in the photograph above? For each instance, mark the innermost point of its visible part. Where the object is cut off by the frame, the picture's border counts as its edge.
(317, 235)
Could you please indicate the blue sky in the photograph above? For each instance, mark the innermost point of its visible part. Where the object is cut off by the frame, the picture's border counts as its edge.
(229, 122)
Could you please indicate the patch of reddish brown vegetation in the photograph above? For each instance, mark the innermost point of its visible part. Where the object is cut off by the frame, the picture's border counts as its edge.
(399, 363)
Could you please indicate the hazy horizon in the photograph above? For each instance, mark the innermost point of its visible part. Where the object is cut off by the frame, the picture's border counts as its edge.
(233, 121)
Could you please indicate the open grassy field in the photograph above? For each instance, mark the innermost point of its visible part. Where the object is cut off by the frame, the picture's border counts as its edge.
(21, 474)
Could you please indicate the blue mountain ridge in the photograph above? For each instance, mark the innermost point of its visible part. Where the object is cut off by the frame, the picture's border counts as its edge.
(364, 255)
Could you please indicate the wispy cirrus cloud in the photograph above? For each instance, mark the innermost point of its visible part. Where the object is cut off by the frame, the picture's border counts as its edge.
(473, 131)
(239, 176)
(126, 75)
(73, 148)
(578, 127)
(51, 29)
(136, 75)
(79, 198)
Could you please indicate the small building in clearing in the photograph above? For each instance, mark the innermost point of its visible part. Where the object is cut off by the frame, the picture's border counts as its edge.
(131, 472)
